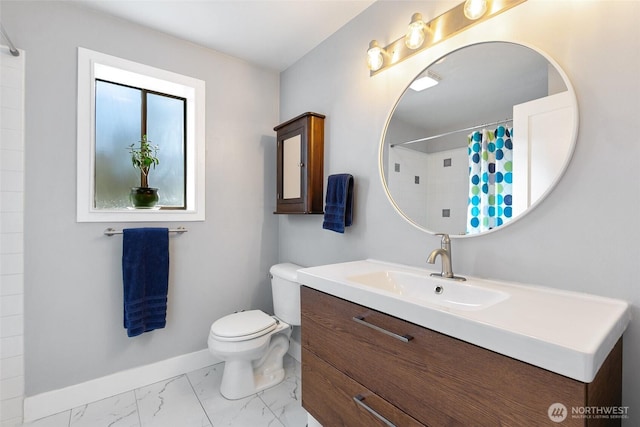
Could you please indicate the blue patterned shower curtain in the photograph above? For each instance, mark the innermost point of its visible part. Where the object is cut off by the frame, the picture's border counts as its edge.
(490, 179)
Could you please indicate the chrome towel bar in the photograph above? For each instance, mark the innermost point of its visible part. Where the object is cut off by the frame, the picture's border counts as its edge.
(111, 231)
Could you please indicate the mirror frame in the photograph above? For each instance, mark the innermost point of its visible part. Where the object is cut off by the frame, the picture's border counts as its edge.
(567, 160)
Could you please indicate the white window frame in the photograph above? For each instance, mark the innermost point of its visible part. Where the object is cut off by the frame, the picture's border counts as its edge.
(93, 65)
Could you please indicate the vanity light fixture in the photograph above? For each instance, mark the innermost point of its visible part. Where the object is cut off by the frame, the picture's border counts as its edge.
(425, 82)
(450, 23)
(375, 56)
(416, 32)
(474, 9)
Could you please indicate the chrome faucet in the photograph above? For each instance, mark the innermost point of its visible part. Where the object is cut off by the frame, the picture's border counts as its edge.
(445, 255)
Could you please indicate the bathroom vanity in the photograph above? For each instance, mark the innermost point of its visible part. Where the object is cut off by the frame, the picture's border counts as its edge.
(364, 363)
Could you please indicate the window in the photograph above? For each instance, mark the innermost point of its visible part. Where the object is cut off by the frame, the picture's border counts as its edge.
(119, 101)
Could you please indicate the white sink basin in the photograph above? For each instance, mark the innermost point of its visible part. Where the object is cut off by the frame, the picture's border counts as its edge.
(430, 290)
(569, 333)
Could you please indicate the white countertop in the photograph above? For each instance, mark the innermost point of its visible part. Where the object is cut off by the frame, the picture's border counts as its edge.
(568, 333)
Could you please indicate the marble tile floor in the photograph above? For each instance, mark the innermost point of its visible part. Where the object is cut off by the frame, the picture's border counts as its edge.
(191, 400)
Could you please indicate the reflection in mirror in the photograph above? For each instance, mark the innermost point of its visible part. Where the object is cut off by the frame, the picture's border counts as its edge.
(291, 155)
(481, 145)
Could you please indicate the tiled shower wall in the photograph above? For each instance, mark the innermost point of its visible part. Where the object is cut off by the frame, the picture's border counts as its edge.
(448, 189)
(11, 237)
(424, 188)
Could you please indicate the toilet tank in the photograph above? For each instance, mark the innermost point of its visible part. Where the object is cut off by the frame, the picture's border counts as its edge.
(286, 292)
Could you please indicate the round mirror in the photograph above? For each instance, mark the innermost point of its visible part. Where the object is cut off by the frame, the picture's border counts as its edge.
(478, 139)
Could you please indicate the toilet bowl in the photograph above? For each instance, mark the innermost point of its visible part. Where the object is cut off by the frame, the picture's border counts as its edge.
(252, 343)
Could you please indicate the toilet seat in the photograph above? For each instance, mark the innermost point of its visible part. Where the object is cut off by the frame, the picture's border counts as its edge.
(243, 326)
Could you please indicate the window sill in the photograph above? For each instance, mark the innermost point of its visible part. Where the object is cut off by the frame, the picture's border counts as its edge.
(141, 215)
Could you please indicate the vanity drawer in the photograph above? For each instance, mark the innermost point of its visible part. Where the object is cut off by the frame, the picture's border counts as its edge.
(437, 379)
(330, 396)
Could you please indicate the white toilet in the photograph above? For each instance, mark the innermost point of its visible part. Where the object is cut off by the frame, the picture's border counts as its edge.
(252, 343)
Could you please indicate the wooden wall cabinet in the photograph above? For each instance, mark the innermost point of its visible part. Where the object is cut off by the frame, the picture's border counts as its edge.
(300, 165)
(354, 375)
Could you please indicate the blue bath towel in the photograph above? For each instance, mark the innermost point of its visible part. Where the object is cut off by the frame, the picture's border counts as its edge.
(338, 209)
(145, 278)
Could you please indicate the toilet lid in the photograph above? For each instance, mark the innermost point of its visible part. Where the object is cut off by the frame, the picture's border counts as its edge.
(248, 324)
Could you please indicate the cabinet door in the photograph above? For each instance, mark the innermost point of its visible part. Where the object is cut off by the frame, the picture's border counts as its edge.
(292, 154)
(292, 168)
(334, 399)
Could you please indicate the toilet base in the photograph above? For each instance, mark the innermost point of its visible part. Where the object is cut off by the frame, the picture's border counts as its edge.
(242, 378)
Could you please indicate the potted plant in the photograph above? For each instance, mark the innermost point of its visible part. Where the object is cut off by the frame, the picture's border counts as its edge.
(144, 157)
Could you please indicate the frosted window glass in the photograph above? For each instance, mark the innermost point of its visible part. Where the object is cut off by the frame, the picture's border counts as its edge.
(118, 122)
(165, 128)
(119, 112)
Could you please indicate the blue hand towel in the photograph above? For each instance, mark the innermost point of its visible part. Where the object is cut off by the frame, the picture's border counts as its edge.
(145, 278)
(338, 209)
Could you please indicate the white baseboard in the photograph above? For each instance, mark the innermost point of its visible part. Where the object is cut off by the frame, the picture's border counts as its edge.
(53, 402)
(64, 399)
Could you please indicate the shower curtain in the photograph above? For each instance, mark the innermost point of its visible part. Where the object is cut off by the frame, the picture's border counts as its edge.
(490, 179)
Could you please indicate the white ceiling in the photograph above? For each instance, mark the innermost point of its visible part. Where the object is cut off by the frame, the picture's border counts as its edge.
(270, 33)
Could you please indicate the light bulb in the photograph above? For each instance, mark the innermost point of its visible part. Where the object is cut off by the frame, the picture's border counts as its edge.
(474, 9)
(375, 57)
(415, 33)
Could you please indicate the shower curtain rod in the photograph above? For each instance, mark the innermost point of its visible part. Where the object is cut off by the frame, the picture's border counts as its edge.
(12, 48)
(451, 132)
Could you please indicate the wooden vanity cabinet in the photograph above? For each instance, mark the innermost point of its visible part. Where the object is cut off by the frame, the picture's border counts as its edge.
(416, 376)
(300, 165)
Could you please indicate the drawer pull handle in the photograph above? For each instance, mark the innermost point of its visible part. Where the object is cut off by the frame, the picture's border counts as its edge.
(359, 399)
(403, 338)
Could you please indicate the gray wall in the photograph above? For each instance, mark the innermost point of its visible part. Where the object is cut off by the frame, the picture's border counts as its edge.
(73, 285)
(583, 237)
